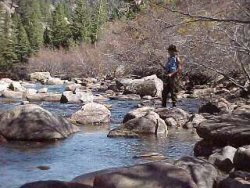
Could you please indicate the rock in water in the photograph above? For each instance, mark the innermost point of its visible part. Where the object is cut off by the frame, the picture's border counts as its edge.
(40, 76)
(139, 112)
(31, 122)
(228, 129)
(148, 124)
(150, 85)
(92, 113)
(149, 175)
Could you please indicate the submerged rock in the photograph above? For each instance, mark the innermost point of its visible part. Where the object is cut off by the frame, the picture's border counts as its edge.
(148, 124)
(31, 122)
(92, 113)
(131, 97)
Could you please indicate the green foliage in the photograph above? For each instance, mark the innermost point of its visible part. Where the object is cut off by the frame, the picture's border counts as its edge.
(61, 33)
(7, 43)
(81, 26)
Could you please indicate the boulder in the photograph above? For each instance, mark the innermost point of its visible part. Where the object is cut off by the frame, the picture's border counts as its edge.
(54, 184)
(49, 97)
(92, 113)
(226, 129)
(242, 159)
(40, 77)
(78, 97)
(16, 86)
(223, 159)
(203, 173)
(12, 94)
(149, 175)
(54, 81)
(174, 117)
(150, 85)
(194, 121)
(149, 124)
(31, 122)
(139, 112)
(219, 106)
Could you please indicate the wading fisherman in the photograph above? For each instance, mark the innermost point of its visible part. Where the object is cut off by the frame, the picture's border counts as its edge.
(172, 69)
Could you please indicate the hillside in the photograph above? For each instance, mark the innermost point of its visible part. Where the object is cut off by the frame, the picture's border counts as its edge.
(212, 36)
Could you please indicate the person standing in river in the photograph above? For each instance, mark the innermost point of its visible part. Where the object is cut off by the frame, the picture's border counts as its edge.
(172, 69)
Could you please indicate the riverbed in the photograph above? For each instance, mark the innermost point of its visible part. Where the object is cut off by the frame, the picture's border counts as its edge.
(88, 150)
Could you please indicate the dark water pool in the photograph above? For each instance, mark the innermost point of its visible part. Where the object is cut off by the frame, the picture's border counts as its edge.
(84, 152)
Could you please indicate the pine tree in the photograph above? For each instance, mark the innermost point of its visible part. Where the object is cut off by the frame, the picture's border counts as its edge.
(47, 39)
(32, 21)
(61, 34)
(8, 55)
(81, 26)
(22, 47)
(100, 16)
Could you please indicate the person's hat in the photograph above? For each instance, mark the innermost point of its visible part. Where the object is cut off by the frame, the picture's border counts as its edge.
(172, 48)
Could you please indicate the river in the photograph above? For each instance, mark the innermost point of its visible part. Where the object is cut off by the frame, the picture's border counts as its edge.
(86, 151)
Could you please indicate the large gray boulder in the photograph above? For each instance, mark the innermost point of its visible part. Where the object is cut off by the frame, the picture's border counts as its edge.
(31, 122)
(227, 129)
(92, 113)
(149, 175)
(40, 77)
(150, 85)
(149, 124)
(203, 173)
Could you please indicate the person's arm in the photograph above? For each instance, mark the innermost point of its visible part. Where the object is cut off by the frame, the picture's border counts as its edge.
(179, 70)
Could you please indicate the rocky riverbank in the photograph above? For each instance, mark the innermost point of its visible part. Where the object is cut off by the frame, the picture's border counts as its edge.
(221, 157)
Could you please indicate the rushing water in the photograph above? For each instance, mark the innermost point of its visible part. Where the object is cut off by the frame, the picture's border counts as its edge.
(86, 151)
